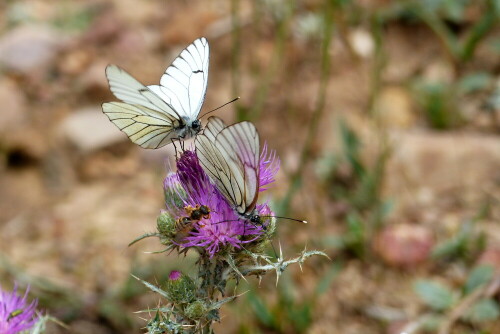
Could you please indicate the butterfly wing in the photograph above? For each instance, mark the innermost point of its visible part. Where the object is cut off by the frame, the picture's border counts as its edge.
(144, 116)
(239, 143)
(214, 165)
(232, 161)
(145, 127)
(184, 83)
(213, 127)
(126, 88)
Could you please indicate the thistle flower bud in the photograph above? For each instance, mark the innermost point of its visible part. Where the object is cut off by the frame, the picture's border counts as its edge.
(165, 224)
(196, 310)
(180, 288)
(270, 223)
(175, 195)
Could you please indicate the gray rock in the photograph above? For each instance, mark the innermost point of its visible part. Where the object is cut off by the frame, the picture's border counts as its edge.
(89, 130)
(29, 48)
(13, 109)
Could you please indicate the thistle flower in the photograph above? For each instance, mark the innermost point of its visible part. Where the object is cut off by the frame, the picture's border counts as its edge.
(16, 315)
(180, 288)
(269, 165)
(224, 228)
(198, 216)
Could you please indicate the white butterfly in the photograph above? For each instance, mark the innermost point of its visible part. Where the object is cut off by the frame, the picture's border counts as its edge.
(152, 116)
(230, 156)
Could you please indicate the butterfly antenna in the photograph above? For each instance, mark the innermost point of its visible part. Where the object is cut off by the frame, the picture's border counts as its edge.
(288, 218)
(225, 221)
(225, 104)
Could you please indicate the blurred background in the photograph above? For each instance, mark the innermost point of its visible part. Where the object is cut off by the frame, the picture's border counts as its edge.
(386, 117)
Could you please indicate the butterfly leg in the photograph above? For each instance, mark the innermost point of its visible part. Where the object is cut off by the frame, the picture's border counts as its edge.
(175, 149)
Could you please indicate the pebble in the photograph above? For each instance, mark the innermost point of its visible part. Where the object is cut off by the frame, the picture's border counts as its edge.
(90, 130)
(404, 245)
(14, 106)
(29, 48)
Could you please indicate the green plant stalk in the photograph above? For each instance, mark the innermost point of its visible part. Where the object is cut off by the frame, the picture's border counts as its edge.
(442, 32)
(479, 31)
(461, 52)
(296, 178)
(379, 61)
(276, 60)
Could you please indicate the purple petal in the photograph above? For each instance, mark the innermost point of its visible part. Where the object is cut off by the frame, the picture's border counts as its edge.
(269, 165)
(16, 314)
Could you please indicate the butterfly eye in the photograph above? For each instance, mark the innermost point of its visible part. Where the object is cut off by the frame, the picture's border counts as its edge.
(196, 125)
(255, 219)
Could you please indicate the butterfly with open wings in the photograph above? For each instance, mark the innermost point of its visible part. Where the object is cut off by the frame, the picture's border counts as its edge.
(153, 116)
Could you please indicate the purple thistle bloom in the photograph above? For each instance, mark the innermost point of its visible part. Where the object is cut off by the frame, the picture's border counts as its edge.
(16, 315)
(224, 227)
(269, 165)
(174, 275)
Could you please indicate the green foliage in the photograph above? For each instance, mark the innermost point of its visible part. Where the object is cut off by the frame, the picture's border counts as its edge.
(431, 322)
(350, 178)
(357, 183)
(466, 244)
(442, 299)
(290, 314)
(437, 14)
(435, 295)
(477, 81)
(353, 239)
(484, 310)
(460, 34)
(261, 311)
(74, 20)
(438, 103)
(478, 277)
(41, 324)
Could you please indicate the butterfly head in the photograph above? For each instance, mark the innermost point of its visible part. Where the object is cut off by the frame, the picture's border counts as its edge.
(256, 220)
(196, 125)
(189, 129)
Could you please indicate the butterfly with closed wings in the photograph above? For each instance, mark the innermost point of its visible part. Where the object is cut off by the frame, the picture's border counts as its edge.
(230, 155)
(153, 116)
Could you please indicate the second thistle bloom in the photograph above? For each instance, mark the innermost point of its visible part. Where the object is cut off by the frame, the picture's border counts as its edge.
(191, 186)
(16, 314)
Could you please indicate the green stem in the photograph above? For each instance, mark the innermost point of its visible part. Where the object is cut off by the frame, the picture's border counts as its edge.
(479, 31)
(295, 179)
(379, 61)
(447, 38)
(277, 61)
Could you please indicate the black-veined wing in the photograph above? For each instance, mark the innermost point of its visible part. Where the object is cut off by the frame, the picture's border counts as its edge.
(184, 83)
(173, 106)
(232, 162)
(145, 127)
(213, 127)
